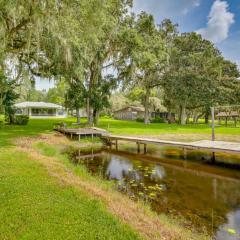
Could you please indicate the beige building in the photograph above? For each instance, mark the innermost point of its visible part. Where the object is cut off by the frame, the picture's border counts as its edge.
(40, 110)
(130, 113)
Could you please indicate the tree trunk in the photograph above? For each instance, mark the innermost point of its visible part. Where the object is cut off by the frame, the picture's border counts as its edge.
(88, 109)
(89, 112)
(11, 119)
(169, 116)
(188, 119)
(206, 117)
(95, 116)
(90, 116)
(146, 114)
(78, 116)
(194, 118)
(207, 114)
(183, 116)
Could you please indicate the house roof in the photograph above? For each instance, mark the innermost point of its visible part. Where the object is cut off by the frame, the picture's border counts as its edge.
(134, 108)
(228, 114)
(37, 105)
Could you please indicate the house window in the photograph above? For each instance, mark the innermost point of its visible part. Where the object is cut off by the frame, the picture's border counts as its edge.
(61, 112)
(19, 111)
(43, 112)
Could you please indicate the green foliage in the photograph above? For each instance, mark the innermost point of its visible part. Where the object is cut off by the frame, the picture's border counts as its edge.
(75, 97)
(80, 41)
(192, 78)
(146, 51)
(57, 94)
(8, 97)
(139, 119)
(21, 119)
(157, 120)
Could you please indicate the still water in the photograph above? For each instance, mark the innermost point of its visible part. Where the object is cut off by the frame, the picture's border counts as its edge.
(206, 195)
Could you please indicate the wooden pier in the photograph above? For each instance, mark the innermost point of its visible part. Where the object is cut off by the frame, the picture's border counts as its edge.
(211, 146)
(81, 132)
(205, 145)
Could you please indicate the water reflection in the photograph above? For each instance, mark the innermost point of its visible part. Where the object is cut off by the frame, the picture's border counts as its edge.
(231, 229)
(207, 196)
(118, 168)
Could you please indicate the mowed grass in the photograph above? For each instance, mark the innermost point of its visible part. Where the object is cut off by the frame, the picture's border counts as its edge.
(33, 205)
(33, 128)
(132, 127)
(36, 126)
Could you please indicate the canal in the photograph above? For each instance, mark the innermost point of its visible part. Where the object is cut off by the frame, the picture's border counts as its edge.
(185, 186)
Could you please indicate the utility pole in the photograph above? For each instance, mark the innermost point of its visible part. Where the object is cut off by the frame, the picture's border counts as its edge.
(213, 131)
(213, 123)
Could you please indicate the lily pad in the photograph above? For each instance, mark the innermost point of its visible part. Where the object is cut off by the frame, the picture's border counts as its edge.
(231, 231)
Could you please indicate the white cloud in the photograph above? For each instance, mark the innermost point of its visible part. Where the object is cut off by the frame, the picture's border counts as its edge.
(165, 8)
(219, 22)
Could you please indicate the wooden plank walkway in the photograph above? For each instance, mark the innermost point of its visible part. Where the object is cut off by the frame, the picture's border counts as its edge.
(212, 146)
(206, 145)
(80, 132)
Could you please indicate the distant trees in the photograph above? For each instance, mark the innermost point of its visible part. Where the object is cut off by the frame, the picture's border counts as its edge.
(96, 48)
(75, 97)
(146, 56)
(57, 93)
(8, 97)
(196, 76)
(193, 70)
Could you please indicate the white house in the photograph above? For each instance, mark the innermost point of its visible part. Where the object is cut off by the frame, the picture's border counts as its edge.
(40, 110)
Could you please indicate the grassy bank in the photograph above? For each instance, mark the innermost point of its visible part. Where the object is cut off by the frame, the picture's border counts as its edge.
(188, 132)
(137, 215)
(42, 195)
(34, 205)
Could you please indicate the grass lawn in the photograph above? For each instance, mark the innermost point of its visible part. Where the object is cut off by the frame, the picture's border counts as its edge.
(132, 127)
(34, 127)
(162, 130)
(34, 206)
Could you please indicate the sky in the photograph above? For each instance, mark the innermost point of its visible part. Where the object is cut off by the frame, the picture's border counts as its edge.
(215, 20)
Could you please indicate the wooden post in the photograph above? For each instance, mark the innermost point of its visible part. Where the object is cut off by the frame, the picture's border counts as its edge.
(145, 148)
(213, 123)
(213, 157)
(79, 137)
(184, 153)
(138, 147)
(116, 144)
(71, 136)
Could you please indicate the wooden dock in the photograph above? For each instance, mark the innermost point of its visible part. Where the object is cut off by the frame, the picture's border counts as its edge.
(82, 132)
(206, 145)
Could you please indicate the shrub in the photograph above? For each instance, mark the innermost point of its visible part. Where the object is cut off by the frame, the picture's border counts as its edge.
(21, 120)
(157, 120)
(139, 119)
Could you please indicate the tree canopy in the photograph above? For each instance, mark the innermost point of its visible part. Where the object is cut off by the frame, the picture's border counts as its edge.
(93, 49)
